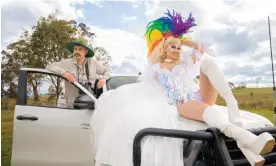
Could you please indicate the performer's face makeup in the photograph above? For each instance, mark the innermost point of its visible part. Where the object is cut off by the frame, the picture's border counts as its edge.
(173, 48)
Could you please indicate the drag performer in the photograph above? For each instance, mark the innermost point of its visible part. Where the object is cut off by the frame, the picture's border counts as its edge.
(166, 91)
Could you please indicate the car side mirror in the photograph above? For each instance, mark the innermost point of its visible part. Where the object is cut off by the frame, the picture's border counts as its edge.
(83, 101)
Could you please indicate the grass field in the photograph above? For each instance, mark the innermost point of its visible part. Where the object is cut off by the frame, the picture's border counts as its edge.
(255, 100)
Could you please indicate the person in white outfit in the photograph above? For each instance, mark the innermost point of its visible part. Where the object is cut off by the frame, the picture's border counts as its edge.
(166, 91)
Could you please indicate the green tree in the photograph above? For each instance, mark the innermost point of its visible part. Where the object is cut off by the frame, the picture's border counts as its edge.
(103, 56)
(49, 38)
(46, 44)
(8, 76)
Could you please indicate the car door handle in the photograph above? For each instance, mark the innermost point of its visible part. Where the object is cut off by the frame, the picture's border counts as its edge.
(26, 117)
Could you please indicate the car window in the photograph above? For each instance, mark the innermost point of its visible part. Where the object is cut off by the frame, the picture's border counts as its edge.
(117, 81)
(45, 90)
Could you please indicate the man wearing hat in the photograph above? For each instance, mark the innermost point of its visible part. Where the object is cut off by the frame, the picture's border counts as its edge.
(74, 69)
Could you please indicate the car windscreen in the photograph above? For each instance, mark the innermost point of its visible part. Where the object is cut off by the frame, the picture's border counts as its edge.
(117, 81)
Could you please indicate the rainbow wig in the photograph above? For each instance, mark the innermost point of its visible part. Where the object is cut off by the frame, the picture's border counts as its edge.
(172, 25)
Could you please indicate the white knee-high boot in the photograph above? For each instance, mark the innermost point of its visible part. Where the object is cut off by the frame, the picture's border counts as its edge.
(251, 145)
(209, 68)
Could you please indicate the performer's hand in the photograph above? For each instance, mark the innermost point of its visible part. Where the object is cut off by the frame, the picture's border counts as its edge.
(195, 45)
(202, 48)
(100, 83)
(69, 77)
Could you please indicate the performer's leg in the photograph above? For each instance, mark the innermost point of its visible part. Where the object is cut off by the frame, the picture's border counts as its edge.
(250, 144)
(208, 93)
(210, 69)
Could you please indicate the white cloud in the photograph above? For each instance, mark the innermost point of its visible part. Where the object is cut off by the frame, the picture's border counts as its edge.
(41, 8)
(18, 14)
(99, 3)
(123, 46)
(252, 10)
(135, 5)
(80, 13)
(126, 19)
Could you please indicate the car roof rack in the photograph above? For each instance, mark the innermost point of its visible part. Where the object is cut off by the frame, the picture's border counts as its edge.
(205, 147)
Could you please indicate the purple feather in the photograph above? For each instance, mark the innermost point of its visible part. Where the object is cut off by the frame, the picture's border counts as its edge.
(180, 25)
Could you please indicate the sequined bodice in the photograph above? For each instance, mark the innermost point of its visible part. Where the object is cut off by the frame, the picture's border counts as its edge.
(178, 84)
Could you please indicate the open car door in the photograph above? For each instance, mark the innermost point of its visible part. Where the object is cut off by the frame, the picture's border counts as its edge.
(46, 134)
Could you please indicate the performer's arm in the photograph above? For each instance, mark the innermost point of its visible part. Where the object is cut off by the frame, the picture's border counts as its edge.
(198, 49)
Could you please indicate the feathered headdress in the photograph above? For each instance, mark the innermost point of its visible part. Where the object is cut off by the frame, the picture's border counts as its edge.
(171, 25)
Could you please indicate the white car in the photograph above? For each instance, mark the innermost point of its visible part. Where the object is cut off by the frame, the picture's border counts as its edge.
(53, 135)
(46, 133)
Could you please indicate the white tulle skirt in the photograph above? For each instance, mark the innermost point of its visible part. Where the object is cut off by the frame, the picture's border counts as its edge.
(125, 111)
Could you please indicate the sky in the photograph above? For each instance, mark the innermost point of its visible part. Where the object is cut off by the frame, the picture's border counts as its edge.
(237, 31)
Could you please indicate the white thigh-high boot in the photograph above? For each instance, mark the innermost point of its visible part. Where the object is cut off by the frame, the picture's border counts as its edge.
(250, 144)
(210, 68)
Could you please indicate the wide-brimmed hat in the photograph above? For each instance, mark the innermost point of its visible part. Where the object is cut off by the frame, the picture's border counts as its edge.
(80, 42)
